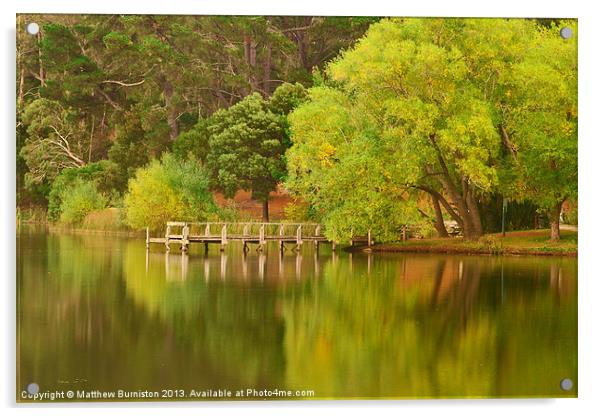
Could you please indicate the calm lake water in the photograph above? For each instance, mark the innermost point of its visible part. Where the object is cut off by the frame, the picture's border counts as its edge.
(95, 313)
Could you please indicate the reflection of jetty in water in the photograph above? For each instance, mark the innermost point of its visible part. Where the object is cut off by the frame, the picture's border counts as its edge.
(439, 279)
(238, 265)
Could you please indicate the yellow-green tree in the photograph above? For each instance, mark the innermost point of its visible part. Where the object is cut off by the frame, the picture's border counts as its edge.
(168, 190)
(421, 106)
(539, 111)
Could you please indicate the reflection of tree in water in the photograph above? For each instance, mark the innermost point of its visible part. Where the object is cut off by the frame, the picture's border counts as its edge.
(67, 302)
(343, 325)
(439, 329)
(231, 325)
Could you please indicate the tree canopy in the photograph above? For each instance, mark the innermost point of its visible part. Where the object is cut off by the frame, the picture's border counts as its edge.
(125, 87)
(421, 105)
(373, 123)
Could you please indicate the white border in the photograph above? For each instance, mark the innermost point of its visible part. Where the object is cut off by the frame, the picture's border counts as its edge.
(590, 202)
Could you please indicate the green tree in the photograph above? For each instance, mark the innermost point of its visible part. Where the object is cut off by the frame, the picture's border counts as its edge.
(246, 148)
(193, 142)
(54, 142)
(427, 96)
(338, 165)
(133, 84)
(412, 101)
(540, 123)
(287, 97)
(168, 190)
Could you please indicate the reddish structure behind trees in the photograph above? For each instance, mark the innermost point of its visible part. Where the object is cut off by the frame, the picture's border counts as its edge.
(252, 209)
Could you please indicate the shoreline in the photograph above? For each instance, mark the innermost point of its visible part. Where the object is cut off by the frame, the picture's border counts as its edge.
(427, 249)
(518, 243)
(76, 230)
(514, 243)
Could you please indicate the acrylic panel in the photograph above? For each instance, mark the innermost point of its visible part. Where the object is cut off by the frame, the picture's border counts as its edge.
(235, 208)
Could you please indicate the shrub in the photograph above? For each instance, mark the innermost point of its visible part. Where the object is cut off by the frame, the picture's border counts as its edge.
(80, 199)
(102, 175)
(190, 180)
(168, 190)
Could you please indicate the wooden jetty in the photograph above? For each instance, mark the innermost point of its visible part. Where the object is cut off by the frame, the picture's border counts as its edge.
(257, 233)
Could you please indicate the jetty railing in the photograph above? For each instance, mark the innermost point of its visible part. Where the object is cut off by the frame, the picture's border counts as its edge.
(257, 233)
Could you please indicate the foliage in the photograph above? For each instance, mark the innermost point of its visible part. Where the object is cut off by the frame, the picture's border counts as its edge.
(32, 214)
(79, 200)
(458, 110)
(520, 215)
(344, 174)
(229, 213)
(141, 136)
(124, 88)
(168, 190)
(53, 143)
(101, 174)
(298, 211)
(417, 106)
(287, 97)
(540, 115)
(246, 146)
(572, 215)
(193, 142)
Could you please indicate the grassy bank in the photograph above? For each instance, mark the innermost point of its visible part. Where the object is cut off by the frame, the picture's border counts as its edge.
(108, 221)
(530, 242)
(31, 215)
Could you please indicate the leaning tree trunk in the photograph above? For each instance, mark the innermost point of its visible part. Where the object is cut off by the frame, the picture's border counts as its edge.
(266, 214)
(461, 198)
(439, 224)
(467, 210)
(473, 212)
(554, 216)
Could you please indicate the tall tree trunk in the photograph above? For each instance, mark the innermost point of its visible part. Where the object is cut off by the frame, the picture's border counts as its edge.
(20, 66)
(302, 39)
(247, 47)
(42, 79)
(554, 216)
(253, 55)
(267, 64)
(172, 118)
(251, 59)
(21, 88)
(439, 224)
(266, 213)
(91, 140)
(302, 50)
